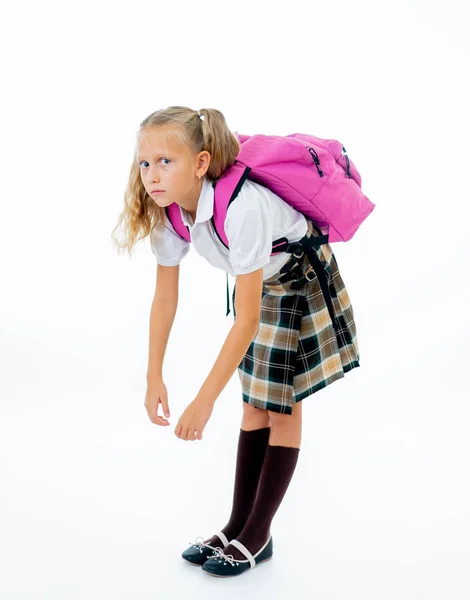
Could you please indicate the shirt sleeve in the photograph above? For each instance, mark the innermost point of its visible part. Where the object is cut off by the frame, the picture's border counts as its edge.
(168, 247)
(249, 233)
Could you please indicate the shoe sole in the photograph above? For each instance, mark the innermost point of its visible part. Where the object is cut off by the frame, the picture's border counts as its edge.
(241, 573)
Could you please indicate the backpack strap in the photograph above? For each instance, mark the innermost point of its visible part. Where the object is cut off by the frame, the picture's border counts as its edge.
(308, 245)
(226, 189)
(228, 301)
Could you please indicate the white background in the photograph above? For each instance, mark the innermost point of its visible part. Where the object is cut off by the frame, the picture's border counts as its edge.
(96, 501)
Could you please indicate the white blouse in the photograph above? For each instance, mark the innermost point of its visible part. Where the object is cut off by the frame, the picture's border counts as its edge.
(255, 219)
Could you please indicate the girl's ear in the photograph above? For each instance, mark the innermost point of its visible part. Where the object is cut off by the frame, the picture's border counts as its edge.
(204, 160)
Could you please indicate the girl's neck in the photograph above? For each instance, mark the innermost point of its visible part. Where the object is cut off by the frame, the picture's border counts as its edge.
(192, 209)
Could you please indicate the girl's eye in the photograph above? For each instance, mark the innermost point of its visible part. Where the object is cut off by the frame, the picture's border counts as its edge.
(144, 161)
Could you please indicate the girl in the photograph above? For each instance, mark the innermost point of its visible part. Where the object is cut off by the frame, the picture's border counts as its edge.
(285, 341)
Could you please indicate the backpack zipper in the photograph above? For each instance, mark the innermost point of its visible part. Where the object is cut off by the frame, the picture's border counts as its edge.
(347, 162)
(316, 160)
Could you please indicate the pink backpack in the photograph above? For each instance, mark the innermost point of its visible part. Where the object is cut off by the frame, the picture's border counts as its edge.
(313, 175)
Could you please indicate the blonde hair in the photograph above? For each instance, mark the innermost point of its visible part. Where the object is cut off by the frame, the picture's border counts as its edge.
(140, 213)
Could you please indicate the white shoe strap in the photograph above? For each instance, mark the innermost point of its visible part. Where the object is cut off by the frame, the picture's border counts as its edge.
(223, 538)
(244, 550)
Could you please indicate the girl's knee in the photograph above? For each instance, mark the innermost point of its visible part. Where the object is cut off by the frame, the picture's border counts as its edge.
(255, 416)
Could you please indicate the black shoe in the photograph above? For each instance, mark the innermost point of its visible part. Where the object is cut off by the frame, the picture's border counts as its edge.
(223, 565)
(199, 551)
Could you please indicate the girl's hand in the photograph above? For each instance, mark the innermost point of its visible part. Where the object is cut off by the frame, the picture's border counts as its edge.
(157, 394)
(192, 422)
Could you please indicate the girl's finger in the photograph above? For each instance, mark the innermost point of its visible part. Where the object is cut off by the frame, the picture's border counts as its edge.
(162, 419)
(165, 409)
(158, 420)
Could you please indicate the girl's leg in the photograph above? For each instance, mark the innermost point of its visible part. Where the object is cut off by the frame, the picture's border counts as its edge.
(254, 418)
(252, 442)
(278, 467)
(286, 430)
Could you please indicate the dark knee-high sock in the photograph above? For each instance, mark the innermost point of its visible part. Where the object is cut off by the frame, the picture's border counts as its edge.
(278, 468)
(250, 456)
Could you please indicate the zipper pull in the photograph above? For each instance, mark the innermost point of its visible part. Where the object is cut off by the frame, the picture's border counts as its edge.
(316, 160)
(347, 162)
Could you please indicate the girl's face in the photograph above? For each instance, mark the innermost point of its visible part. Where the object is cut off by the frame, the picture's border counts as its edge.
(166, 164)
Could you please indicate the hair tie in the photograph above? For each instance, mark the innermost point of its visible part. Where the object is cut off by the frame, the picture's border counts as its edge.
(200, 116)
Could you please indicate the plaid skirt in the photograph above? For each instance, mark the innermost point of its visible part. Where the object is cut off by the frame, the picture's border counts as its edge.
(304, 342)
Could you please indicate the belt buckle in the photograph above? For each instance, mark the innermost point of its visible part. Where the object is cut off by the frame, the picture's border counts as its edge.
(307, 275)
(298, 248)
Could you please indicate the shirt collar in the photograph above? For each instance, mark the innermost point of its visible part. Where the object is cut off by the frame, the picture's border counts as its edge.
(205, 206)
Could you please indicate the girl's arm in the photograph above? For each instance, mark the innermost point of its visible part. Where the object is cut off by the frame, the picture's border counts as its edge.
(162, 315)
(248, 294)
